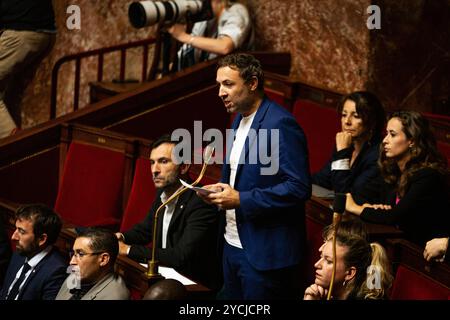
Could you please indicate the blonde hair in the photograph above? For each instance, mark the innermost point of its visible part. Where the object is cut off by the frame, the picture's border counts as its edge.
(364, 256)
(381, 261)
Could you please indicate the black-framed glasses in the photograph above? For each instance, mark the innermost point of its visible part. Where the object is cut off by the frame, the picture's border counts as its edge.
(81, 254)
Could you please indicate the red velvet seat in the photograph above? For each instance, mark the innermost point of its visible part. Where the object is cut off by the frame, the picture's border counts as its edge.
(278, 98)
(412, 285)
(141, 196)
(91, 188)
(320, 125)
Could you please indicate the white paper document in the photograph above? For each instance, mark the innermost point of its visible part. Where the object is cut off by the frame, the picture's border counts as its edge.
(322, 192)
(202, 191)
(170, 273)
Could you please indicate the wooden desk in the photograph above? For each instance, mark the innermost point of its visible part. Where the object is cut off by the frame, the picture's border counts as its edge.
(401, 251)
(134, 275)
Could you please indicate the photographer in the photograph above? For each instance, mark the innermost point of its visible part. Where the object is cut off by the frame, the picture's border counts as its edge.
(230, 29)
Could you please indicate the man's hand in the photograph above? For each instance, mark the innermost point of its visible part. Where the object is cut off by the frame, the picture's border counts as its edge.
(211, 187)
(343, 140)
(224, 196)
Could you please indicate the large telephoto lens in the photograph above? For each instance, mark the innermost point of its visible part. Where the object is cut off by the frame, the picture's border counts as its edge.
(148, 13)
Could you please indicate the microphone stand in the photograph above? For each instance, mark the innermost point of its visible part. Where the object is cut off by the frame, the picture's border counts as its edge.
(339, 208)
(152, 270)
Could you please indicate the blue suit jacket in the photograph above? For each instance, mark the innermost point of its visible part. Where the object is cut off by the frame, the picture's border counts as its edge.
(271, 216)
(45, 280)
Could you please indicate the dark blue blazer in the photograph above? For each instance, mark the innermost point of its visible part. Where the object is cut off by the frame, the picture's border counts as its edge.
(271, 216)
(363, 170)
(45, 280)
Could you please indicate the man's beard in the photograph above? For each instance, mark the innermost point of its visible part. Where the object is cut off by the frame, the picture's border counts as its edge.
(29, 251)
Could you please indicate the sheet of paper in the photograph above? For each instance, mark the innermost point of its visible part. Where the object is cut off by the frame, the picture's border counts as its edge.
(322, 192)
(170, 273)
(199, 190)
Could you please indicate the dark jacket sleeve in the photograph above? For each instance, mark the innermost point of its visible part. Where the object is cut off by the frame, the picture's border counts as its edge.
(340, 179)
(201, 225)
(323, 176)
(374, 191)
(356, 177)
(141, 233)
(418, 192)
(139, 237)
(54, 283)
(293, 182)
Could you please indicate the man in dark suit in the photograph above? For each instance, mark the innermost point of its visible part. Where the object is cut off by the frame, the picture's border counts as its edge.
(187, 230)
(264, 200)
(36, 270)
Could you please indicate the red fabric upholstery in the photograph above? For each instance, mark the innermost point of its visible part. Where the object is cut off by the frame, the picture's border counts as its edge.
(314, 241)
(278, 98)
(90, 193)
(141, 196)
(411, 285)
(205, 180)
(320, 125)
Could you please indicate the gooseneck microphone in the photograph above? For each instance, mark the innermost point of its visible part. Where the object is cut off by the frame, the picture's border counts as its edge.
(338, 209)
(152, 271)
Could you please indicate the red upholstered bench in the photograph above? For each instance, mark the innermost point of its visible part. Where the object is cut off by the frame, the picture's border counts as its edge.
(320, 125)
(90, 192)
(412, 285)
(141, 197)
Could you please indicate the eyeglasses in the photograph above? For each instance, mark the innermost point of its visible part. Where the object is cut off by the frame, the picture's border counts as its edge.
(81, 254)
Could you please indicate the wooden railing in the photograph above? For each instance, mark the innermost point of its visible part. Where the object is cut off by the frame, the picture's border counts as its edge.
(100, 53)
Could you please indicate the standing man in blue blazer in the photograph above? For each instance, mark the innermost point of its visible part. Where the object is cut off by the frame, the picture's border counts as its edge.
(36, 270)
(263, 196)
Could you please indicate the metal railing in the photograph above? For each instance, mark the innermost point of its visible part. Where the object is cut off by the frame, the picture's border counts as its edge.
(78, 57)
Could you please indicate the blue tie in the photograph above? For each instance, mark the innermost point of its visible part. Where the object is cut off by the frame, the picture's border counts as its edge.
(15, 289)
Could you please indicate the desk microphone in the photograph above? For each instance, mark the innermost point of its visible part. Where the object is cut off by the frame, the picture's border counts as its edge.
(152, 271)
(338, 209)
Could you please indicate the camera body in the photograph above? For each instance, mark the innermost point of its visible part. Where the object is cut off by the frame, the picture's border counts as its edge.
(148, 13)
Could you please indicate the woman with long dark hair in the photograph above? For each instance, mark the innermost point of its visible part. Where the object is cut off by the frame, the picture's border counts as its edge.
(354, 160)
(413, 192)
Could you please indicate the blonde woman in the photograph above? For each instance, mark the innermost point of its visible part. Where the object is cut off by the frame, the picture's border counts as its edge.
(362, 268)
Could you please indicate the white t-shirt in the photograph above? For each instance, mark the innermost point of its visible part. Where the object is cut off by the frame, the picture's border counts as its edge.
(168, 213)
(231, 232)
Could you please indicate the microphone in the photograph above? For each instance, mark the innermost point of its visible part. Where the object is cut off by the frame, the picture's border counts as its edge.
(152, 270)
(338, 209)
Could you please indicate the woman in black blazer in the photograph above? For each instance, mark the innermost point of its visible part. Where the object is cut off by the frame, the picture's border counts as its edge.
(354, 160)
(413, 191)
